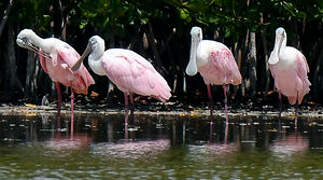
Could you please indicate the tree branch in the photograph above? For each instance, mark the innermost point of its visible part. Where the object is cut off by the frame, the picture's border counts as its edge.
(5, 17)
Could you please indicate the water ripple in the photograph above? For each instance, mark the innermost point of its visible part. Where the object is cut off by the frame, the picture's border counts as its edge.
(131, 150)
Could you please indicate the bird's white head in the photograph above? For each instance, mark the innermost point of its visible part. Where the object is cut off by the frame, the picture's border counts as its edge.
(28, 39)
(196, 37)
(280, 42)
(280, 31)
(280, 35)
(95, 46)
(196, 32)
(96, 43)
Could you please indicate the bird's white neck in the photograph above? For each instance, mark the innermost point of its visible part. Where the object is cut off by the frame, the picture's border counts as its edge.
(280, 45)
(284, 42)
(95, 61)
(38, 41)
(96, 53)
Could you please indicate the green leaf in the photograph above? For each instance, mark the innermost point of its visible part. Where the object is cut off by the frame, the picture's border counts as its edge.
(83, 24)
(107, 20)
(227, 34)
(144, 20)
(184, 14)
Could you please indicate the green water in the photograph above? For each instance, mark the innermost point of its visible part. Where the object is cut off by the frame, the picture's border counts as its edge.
(159, 147)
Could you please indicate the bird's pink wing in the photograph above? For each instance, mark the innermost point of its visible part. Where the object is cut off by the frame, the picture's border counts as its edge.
(43, 61)
(302, 70)
(302, 65)
(233, 68)
(296, 87)
(69, 56)
(224, 62)
(135, 58)
(135, 74)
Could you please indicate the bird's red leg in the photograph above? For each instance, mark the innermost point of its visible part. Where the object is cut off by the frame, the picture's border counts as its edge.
(280, 111)
(126, 116)
(126, 107)
(59, 101)
(131, 99)
(72, 117)
(226, 104)
(132, 107)
(59, 98)
(281, 104)
(211, 104)
(209, 92)
(296, 111)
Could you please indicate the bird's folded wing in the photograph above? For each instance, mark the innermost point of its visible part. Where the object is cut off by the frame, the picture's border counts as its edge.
(131, 74)
(68, 54)
(43, 62)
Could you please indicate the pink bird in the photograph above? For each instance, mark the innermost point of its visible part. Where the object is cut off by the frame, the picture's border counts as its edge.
(215, 62)
(129, 71)
(56, 58)
(289, 69)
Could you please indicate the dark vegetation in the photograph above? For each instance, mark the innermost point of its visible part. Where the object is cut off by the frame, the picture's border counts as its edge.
(159, 31)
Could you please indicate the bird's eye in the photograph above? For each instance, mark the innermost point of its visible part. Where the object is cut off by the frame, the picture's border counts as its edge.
(25, 40)
(93, 42)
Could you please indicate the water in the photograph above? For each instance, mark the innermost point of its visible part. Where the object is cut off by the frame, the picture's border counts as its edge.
(42, 146)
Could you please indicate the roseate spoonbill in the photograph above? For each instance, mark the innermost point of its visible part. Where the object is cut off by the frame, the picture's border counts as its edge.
(129, 71)
(289, 69)
(56, 58)
(215, 62)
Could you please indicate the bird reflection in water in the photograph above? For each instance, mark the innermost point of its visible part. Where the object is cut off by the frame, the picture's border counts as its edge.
(289, 144)
(131, 146)
(222, 146)
(226, 131)
(65, 139)
(130, 128)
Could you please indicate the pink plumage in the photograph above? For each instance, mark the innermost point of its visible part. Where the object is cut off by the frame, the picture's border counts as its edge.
(289, 69)
(292, 82)
(131, 73)
(58, 69)
(221, 67)
(216, 64)
(57, 58)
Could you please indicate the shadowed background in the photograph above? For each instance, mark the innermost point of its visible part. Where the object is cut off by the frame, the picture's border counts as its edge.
(159, 31)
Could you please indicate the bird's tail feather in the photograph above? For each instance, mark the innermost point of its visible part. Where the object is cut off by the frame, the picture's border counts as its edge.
(163, 90)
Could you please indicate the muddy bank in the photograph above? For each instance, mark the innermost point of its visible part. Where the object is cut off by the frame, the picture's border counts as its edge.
(167, 109)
